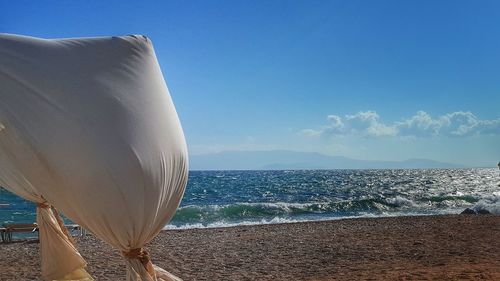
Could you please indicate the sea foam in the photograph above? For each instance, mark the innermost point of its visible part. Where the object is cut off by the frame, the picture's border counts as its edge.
(489, 203)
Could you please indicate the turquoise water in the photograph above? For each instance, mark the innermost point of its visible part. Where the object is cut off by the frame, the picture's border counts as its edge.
(226, 198)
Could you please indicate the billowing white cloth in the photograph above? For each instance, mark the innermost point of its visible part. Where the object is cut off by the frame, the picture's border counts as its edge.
(95, 132)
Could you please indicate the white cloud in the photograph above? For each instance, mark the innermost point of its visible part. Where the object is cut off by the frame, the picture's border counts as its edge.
(362, 123)
(422, 124)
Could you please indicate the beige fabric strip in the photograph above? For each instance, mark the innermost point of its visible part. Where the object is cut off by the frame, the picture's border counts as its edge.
(62, 226)
(143, 257)
(60, 222)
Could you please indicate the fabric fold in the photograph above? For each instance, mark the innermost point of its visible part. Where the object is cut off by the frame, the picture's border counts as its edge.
(146, 271)
(60, 259)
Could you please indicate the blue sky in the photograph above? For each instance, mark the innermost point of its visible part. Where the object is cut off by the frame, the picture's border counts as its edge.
(387, 80)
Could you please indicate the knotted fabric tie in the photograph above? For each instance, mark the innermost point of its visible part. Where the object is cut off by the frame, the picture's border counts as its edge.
(143, 257)
(60, 222)
(43, 205)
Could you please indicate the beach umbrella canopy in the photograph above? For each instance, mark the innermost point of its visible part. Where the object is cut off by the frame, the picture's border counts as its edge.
(89, 125)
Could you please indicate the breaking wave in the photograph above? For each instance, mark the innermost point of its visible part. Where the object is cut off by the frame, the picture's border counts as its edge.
(489, 203)
(196, 216)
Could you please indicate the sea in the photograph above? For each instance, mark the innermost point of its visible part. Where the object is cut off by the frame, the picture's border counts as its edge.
(230, 198)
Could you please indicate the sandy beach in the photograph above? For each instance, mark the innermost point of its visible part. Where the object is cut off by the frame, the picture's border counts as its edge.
(455, 247)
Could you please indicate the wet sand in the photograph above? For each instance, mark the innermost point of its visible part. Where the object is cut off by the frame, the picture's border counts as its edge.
(456, 247)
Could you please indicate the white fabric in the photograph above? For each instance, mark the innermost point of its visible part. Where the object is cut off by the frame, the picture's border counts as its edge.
(89, 124)
(59, 257)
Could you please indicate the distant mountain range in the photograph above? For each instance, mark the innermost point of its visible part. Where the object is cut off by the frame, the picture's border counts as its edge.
(288, 160)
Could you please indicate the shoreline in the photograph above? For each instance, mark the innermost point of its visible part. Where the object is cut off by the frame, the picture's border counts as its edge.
(442, 247)
(292, 221)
